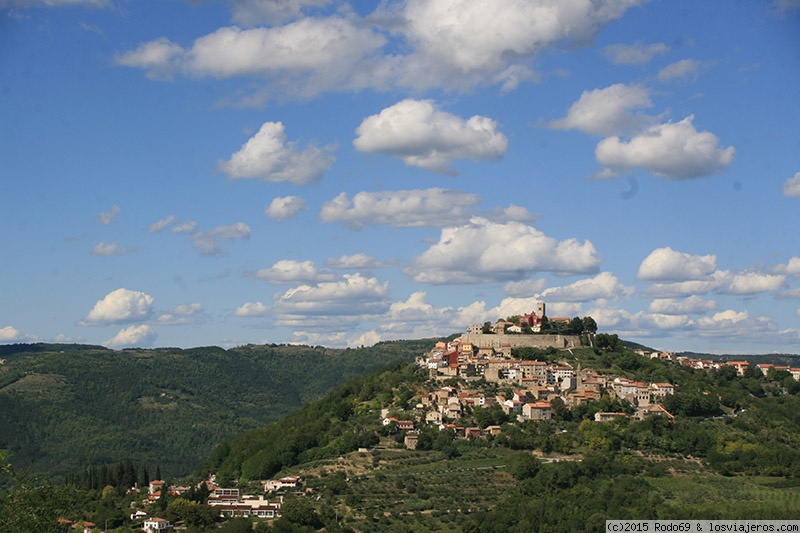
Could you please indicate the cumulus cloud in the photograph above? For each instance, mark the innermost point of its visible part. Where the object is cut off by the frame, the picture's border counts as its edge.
(724, 322)
(754, 282)
(487, 251)
(677, 289)
(603, 286)
(353, 295)
(451, 44)
(269, 157)
(288, 271)
(792, 267)
(469, 41)
(252, 309)
(107, 217)
(300, 59)
(417, 318)
(10, 334)
(680, 69)
(120, 306)
(131, 336)
(791, 187)
(108, 248)
(285, 207)
(182, 314)
(666, 264)
(417, 132)
(433, 207)
(607, 111)
(637, 53)
(672, 150)
(687, 306)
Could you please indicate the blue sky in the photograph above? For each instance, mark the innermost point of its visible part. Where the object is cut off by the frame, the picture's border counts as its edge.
(191, 173)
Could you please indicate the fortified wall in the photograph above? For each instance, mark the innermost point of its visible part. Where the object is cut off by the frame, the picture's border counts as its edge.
(489, 340)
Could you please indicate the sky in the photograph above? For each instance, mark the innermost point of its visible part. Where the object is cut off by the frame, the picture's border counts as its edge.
(191, 173)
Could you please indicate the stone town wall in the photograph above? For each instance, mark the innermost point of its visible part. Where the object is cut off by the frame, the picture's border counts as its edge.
(487, 340)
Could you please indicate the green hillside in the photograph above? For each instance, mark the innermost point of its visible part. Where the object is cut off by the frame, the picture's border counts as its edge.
(734, 440)
(64, 408)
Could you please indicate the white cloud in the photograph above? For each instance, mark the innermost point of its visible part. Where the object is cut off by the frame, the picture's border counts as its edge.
(464, 42)
(607, 111)
(679, 69)
(353, 295)
(269, 157)
(603, 286)
(423, 136)
(252, 309)
(415, 208)
(514, 213)
(666, 264)
(288, 271)
(451, 44)
(687, 306)
(108, 248)
(182, 314)
(285, 207)
(252, 12)
(9, 334)
(358, 261)
(687, 288)
(107, 217)
(189, 227)
(754, 282)
(131, 336)
(160, 58)
(638, 53)
(207, 242)
(416, 318)
(161, 225)
(487, 251)
(299, 59)
(792, 267)
(120, 306)
(791, 187)
(723, 322)
(661, 321)
(672, 150)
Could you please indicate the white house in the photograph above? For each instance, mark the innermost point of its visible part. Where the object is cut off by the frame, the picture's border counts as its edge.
(156, 525)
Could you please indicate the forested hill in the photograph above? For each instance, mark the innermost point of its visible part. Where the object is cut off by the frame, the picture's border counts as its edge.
(66, 407)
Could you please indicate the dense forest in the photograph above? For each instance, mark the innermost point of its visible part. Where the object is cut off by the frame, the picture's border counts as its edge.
(64, 408)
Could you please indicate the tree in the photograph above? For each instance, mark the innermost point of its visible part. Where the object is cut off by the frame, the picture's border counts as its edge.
(589, 325)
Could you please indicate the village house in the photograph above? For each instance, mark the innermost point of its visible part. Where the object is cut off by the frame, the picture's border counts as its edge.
(540, 410)
(156, 525)
(608, 417)
(288, 482)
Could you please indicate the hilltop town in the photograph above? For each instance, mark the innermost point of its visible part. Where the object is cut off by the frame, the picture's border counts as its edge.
(482, 389)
